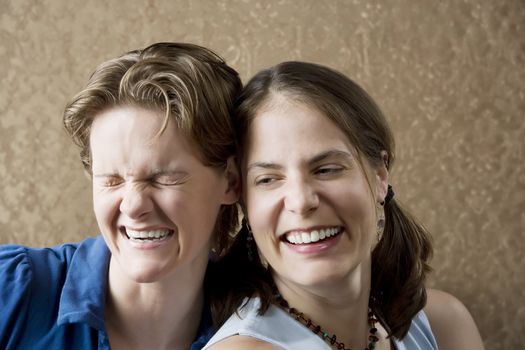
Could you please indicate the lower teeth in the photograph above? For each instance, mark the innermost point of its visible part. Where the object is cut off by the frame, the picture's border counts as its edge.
(147, 239)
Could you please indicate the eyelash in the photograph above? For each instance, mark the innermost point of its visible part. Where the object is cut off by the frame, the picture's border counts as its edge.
(165, 183)
(323, 171)
(265, 181)
(113, 182)
(116, 181)
(329, 170)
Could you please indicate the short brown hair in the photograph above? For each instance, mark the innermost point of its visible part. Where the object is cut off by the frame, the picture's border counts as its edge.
(399, 260)
(191, 84)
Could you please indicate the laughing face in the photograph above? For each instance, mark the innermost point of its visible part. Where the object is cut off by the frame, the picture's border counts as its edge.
(310, 206)
(155, 202)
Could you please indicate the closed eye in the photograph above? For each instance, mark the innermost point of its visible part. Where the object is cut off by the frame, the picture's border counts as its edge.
(110, 181)
(169, 180)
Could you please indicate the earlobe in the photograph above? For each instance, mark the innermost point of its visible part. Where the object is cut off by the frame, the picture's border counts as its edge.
(233, 190)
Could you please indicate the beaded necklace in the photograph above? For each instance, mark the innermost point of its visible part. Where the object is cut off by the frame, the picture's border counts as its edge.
(331, 339)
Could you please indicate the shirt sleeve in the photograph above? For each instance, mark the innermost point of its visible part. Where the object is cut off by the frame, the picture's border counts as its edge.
(15, 292)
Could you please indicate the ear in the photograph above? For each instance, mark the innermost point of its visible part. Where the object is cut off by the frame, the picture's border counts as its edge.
(233, 191)
(381, 173)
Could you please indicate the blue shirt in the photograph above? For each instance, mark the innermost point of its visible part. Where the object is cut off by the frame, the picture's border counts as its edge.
(53, 298)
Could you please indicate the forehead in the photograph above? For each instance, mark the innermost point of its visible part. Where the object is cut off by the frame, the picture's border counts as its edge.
(282, 114)
(131, 135)
(288, 125)
(126, 119)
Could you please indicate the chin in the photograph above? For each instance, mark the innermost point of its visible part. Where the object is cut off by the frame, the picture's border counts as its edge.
(146, 274)
(322, 277)
(321, 281)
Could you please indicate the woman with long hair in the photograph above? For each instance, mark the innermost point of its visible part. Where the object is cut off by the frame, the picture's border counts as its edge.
(327, 258)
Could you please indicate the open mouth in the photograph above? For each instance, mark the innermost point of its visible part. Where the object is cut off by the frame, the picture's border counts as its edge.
(314, 236)
(147, 236)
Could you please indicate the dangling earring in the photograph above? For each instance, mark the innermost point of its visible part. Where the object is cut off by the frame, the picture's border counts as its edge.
(389, 196)
(212, 255)
(381, 212)
(250, 246)
(380, 221)
(249, 239)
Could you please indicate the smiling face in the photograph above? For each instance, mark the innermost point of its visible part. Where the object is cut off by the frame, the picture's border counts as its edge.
(310, 206)
(155, 202)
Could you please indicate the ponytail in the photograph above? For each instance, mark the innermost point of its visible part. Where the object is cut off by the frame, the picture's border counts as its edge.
(399, 267)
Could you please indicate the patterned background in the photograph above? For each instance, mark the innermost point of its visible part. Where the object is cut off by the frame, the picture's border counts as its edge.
(449, 75)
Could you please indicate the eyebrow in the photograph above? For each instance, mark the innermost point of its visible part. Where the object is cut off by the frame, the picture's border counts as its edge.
(105, 175)
(332, 153)
(263, 165)
(160, 172)
(155, 173)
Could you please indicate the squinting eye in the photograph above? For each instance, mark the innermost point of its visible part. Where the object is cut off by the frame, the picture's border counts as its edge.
(167, 180)
(262, 181)
(328, 170)
(112, 181)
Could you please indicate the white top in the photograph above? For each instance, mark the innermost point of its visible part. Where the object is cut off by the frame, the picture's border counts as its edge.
(278, 328)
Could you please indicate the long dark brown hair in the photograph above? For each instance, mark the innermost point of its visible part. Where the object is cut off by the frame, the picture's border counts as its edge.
(399, 260)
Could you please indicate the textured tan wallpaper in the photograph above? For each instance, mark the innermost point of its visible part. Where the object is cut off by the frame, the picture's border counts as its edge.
(449, 75)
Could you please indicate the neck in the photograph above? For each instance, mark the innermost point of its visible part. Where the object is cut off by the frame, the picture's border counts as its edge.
(158, 315)
(336, 306)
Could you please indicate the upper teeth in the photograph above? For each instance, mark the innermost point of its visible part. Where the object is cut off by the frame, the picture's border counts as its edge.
(312, 236)
(147, 234)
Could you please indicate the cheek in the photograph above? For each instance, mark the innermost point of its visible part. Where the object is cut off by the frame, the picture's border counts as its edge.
(105, 207)
(263, 223)
(175, 208)
(267, 245)
(366, 216)
(170, 201)
(260, 202)
(356, 207)
(189, 202)
(194, 212)
(259, 211)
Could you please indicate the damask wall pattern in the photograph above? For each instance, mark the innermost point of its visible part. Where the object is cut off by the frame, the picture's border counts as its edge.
(448, 74)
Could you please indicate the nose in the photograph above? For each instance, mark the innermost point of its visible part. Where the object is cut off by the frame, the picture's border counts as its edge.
(136, 202)
(301, 197)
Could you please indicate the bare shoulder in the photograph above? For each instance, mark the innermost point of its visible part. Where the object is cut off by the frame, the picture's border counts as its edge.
(451, 322)
(239, 342)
